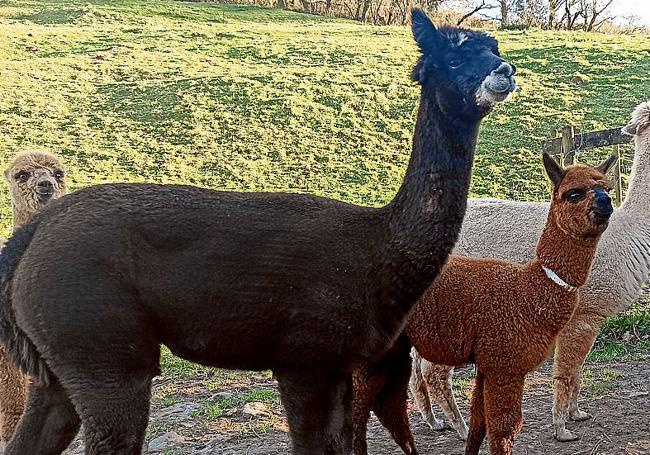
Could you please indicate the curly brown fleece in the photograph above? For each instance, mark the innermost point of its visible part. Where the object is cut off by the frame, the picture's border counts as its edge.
(501, 316)
(35, 177)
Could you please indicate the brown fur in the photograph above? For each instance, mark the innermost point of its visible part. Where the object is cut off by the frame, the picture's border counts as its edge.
(501, 316)
(25, 173)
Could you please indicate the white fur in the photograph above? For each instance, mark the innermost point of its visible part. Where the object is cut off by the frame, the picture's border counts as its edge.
(462, 37)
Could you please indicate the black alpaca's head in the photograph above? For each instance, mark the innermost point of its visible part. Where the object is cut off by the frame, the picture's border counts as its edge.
(464, 66)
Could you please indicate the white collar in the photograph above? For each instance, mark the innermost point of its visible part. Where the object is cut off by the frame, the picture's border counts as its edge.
(559, 281)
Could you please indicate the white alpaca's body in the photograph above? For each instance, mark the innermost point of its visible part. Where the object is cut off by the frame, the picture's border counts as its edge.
(508, 230)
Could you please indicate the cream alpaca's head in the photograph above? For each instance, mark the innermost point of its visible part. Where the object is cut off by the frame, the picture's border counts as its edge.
(640, 120)
(35, 178)
(639, 127)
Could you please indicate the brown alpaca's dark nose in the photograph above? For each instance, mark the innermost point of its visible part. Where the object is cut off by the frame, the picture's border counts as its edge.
(602, 206)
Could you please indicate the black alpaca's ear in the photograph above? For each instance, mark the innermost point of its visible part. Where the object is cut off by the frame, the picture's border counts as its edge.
(424, 31)
(553, 170)
(607, 165)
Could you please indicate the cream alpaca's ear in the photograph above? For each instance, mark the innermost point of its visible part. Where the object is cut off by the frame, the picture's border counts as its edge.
(630, 129)
(639, 121)
(607, 165)
(553, 169)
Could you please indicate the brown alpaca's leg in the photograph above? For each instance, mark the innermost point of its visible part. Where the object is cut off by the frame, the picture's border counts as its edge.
(391, 403)
(319, 411)
(438, 379)
(366, 385)
(571, 350)
(503, 412)
(13, 394)
(49, 424)
(477, 428)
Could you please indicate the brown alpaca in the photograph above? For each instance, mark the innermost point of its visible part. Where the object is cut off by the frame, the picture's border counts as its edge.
(34, 178)
(501, 316)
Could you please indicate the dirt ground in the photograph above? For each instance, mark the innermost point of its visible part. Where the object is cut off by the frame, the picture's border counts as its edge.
(240, 414)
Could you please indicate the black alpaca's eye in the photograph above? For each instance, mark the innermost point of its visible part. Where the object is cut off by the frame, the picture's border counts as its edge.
(59, 175)
(574, 195)
(455, 63)
(22, 176)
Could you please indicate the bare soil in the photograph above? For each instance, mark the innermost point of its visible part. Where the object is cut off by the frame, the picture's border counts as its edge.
(616, 394)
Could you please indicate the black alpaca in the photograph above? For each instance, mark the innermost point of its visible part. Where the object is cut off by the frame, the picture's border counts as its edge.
(305, 286)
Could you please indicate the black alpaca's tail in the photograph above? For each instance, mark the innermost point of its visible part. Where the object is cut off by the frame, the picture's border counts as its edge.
(19, 348)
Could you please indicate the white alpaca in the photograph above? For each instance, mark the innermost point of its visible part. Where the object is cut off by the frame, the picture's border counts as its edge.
(508, 230)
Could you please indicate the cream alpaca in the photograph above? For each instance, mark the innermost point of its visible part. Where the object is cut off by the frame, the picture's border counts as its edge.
(35, 178)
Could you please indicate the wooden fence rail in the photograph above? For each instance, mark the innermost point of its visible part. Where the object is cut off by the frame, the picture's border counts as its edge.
(564, 147)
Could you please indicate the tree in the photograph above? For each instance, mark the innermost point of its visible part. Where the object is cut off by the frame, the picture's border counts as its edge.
(553, 8)
(593, 13)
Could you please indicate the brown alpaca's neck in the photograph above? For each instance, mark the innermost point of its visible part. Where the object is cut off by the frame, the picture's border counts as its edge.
(425, 217)
(569, 257)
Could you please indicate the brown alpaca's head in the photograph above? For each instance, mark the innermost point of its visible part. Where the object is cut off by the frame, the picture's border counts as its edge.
(580, 206)
(35, 178)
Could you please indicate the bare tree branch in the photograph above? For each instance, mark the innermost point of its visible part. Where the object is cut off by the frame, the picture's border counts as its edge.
(482, 6)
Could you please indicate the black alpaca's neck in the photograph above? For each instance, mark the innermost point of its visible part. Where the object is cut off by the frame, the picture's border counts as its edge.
(569, 257)
(428, 210)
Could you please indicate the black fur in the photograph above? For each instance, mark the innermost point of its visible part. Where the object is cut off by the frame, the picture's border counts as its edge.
(306, 286)
(19, 347)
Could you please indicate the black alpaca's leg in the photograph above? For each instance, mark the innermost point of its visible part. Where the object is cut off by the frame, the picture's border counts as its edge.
(318, 407)
(114, 413)
(48, 424)
(477, 428)
(391, 402)
(340, 434)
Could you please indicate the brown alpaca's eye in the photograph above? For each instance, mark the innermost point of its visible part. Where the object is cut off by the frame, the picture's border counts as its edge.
(574, 196)
(455, 63)
(59, 175)
(22, 176)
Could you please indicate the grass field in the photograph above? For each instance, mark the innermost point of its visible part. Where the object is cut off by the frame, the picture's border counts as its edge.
(247, 98)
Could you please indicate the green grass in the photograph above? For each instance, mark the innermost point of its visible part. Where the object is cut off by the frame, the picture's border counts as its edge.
(216, 408)
(626, 336)
(176, 368)
(247, 98)
(598, 382)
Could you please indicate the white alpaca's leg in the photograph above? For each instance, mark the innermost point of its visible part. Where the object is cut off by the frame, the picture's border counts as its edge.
(421, 395)
(573, 345)
(439, 381)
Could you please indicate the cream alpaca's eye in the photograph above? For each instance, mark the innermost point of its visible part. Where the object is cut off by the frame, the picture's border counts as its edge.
(59, 175)
(22, 176)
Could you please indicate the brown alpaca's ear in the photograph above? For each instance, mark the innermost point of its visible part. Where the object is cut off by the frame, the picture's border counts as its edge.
(607, 165)
(553, 169)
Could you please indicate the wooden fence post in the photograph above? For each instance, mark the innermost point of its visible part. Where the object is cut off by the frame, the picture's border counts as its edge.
(568, 154)
(618, 192)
